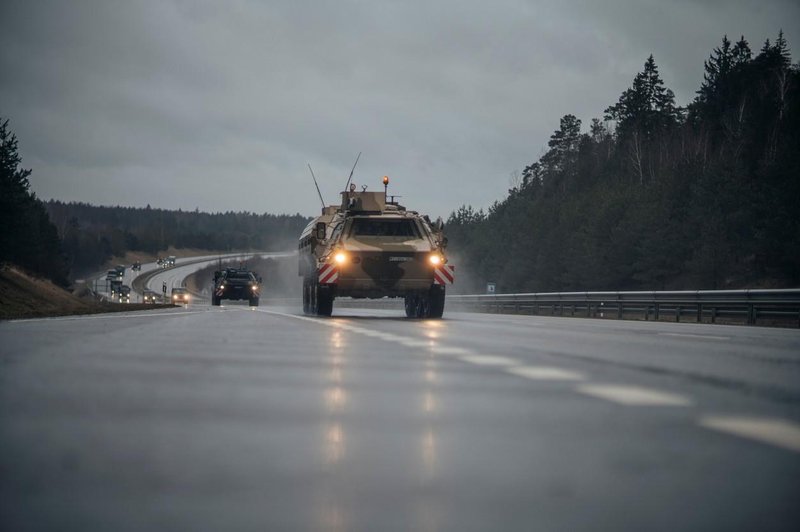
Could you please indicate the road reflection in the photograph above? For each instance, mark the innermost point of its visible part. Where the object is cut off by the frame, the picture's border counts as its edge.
(427, 511)
(329, 512)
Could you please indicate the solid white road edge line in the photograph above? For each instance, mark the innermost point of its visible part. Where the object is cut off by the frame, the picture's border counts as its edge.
(545, 373)
(697, 336)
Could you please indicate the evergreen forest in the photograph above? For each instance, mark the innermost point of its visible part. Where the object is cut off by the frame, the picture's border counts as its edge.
(655, 196)
(91, 235)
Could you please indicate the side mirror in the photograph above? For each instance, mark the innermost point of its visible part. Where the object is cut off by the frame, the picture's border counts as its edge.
(260, 280)
(438, 224)
(320, 231)
(444, 242)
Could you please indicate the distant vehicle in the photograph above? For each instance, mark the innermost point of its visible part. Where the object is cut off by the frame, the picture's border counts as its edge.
(171, 261)
(116, 288)
(112, 275)
(120, 270)
(370, 246)
(150, 296)
(136, 266)
(236, 284)
(180, 295)
(124, 294)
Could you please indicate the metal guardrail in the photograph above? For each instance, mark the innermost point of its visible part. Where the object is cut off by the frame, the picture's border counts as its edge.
(747, 306)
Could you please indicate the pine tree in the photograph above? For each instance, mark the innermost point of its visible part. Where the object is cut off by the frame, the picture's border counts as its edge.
(647, 108)
(27, 238)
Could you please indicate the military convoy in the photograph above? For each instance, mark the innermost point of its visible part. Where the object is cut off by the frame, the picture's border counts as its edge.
(370, 246)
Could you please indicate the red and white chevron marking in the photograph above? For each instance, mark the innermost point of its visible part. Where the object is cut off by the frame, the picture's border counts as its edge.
(444, 274)
(328, 274)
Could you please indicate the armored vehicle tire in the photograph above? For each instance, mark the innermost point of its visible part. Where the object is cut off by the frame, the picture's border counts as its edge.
(436, 302)
(215, 301)
(411, 306)
(306, 297)
(430, 305)
(417, 306)
(253, 302)
(324, 300)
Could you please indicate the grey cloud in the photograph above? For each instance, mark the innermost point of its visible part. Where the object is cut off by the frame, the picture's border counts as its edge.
(220, 105)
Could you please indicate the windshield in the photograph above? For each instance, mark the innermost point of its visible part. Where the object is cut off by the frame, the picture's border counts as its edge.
(384, 227)
(240, 276)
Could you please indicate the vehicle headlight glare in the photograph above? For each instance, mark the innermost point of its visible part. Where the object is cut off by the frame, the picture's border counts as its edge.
(435, 259)
(340, 257)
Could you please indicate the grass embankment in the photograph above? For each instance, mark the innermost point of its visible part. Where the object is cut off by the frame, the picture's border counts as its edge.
(25, 296)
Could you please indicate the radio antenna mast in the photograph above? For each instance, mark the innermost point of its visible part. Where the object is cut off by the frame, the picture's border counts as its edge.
(351, 172)
(316, 185)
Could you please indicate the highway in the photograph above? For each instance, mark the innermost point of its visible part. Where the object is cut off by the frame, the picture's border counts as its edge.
(239, 418)
(173, 276)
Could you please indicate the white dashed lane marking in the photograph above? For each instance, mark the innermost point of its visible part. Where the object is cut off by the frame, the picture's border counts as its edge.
(544, 373)
(777, 432)
(633, 395)
(489, 360)
(447, 350)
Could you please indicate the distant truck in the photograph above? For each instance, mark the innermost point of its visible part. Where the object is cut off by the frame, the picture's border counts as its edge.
(171, 261)
(116, 288)
(120, 270)
(236, 284)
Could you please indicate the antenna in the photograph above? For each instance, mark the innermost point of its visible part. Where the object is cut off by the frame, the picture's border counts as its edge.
(316, 185)
(351, 171)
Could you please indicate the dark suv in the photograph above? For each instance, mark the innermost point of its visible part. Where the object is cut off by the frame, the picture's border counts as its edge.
(236, 284)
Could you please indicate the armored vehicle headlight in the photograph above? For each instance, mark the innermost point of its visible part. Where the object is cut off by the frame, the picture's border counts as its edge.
(255, 287)
(340, 257)
(435, 259)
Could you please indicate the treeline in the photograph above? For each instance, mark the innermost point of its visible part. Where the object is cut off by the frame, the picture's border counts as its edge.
(58, 240)
(27, 237)
(655, 196)
(91, 234)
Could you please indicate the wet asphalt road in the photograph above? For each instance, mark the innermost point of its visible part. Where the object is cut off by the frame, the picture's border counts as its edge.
(235, 418)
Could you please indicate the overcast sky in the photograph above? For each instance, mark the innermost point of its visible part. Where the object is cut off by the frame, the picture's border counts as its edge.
(219, 105)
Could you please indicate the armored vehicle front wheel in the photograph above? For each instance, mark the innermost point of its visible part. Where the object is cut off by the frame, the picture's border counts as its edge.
(215, 301)
(253, 302)
(324, 300)
(436, 302)
(307, 297)
(425, 305)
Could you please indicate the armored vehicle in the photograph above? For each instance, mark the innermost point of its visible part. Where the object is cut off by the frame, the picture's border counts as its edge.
(370, 246)
(233, 283)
